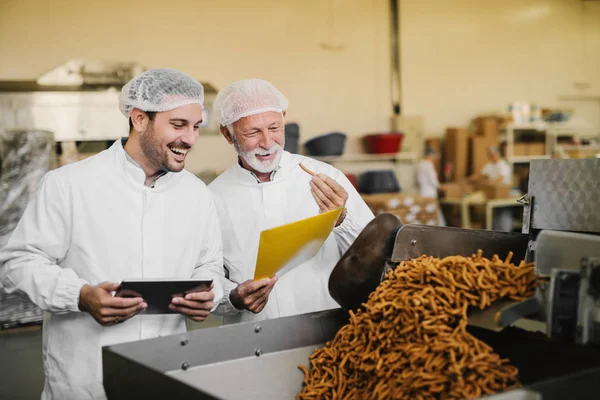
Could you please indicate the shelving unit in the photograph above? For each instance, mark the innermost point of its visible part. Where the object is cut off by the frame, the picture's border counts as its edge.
(526, 159)
(403, 164)
(550, 132)
(352, 158)
(567, 151)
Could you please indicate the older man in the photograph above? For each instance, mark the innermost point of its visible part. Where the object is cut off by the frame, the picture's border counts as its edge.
(267, 188)
(129, 211)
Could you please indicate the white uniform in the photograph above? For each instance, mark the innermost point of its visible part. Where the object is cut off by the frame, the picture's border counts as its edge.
(247, 207)
(427, 179)
(95, 221)
(503, 218)
(496, 170)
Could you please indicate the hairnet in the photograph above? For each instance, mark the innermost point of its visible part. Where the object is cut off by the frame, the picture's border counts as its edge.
(247, 97)
(430, 152)
(160, 90)
(493, 149)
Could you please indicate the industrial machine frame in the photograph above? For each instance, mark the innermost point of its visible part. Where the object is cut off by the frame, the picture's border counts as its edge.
(259, 360)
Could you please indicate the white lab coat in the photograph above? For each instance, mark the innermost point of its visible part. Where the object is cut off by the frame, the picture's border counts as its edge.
(496, 170)
(95, 221)
(427, 179)
(246, 208)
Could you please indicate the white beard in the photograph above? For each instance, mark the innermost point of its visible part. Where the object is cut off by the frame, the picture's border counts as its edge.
(255, 163)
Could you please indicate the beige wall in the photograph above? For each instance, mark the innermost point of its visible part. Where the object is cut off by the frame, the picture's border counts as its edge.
(465, 57)
(330, 58)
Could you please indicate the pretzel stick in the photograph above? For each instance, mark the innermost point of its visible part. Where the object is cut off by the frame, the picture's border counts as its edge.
(410, 340)
(308, 171)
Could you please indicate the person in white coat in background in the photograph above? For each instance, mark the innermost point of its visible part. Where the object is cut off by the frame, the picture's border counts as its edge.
(497, 171)
(130, 211)
(427, 177)
(267, 188)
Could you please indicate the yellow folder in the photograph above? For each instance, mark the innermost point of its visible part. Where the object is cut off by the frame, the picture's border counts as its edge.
(283, 248)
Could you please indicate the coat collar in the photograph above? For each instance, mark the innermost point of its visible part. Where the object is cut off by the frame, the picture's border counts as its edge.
(246, 176)
(132, 169)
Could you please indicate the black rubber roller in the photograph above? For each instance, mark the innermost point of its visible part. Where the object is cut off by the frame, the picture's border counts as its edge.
(360, 269)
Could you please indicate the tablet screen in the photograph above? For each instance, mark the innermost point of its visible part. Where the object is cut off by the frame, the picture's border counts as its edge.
(158, 293)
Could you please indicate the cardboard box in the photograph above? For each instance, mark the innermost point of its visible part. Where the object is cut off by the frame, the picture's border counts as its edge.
(424, 216)
(520, 149)
(456, 150)
(455, 190)
(430, 208)
(479, 152)
(407, 207)
(409, 218)
(588, 151)
(405, 216)
(495, 191)
(385, 202)
(529, 149)
(487, 127)
(415, 208)
(536, 149)
(490, 128)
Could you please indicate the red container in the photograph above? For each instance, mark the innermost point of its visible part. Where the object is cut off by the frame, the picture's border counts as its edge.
(353, 180)
(384, 143)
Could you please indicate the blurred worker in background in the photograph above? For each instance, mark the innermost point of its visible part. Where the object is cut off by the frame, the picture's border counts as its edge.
(497, 172)
(427, 177)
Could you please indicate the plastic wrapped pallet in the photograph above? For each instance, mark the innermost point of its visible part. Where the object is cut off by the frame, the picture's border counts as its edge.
(25, 156)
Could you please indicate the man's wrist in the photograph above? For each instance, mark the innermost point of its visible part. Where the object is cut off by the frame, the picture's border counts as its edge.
(83, 296)
(235, 299)
(341, 218)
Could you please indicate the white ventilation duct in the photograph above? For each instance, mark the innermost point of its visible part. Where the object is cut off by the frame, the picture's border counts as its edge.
(90, 73)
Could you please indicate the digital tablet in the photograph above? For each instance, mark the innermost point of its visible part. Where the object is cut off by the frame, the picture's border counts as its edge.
(158, 293)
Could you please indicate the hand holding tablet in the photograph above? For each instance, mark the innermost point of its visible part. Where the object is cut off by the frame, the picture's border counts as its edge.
(160, 294)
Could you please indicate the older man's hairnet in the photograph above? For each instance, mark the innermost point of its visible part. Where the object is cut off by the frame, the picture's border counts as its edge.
(247, 97)
(159, 90)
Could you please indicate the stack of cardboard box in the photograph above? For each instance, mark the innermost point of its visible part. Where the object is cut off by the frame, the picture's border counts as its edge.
(529, 149)
(411, 209)
(494, 190)
(455, 190)
(466, 151)
(456, 150)
(487, 134)
(455, 154)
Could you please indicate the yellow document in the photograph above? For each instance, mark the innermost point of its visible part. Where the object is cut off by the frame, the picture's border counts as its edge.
(283, 248)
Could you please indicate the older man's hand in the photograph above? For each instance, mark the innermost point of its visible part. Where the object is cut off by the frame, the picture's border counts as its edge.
(252, 295)
(196, 305)
(329, 195)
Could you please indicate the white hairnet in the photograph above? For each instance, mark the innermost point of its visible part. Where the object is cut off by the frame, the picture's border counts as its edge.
(247, 97)
(160, 90)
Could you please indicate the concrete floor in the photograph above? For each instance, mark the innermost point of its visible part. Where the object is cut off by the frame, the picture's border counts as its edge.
(21, 371)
